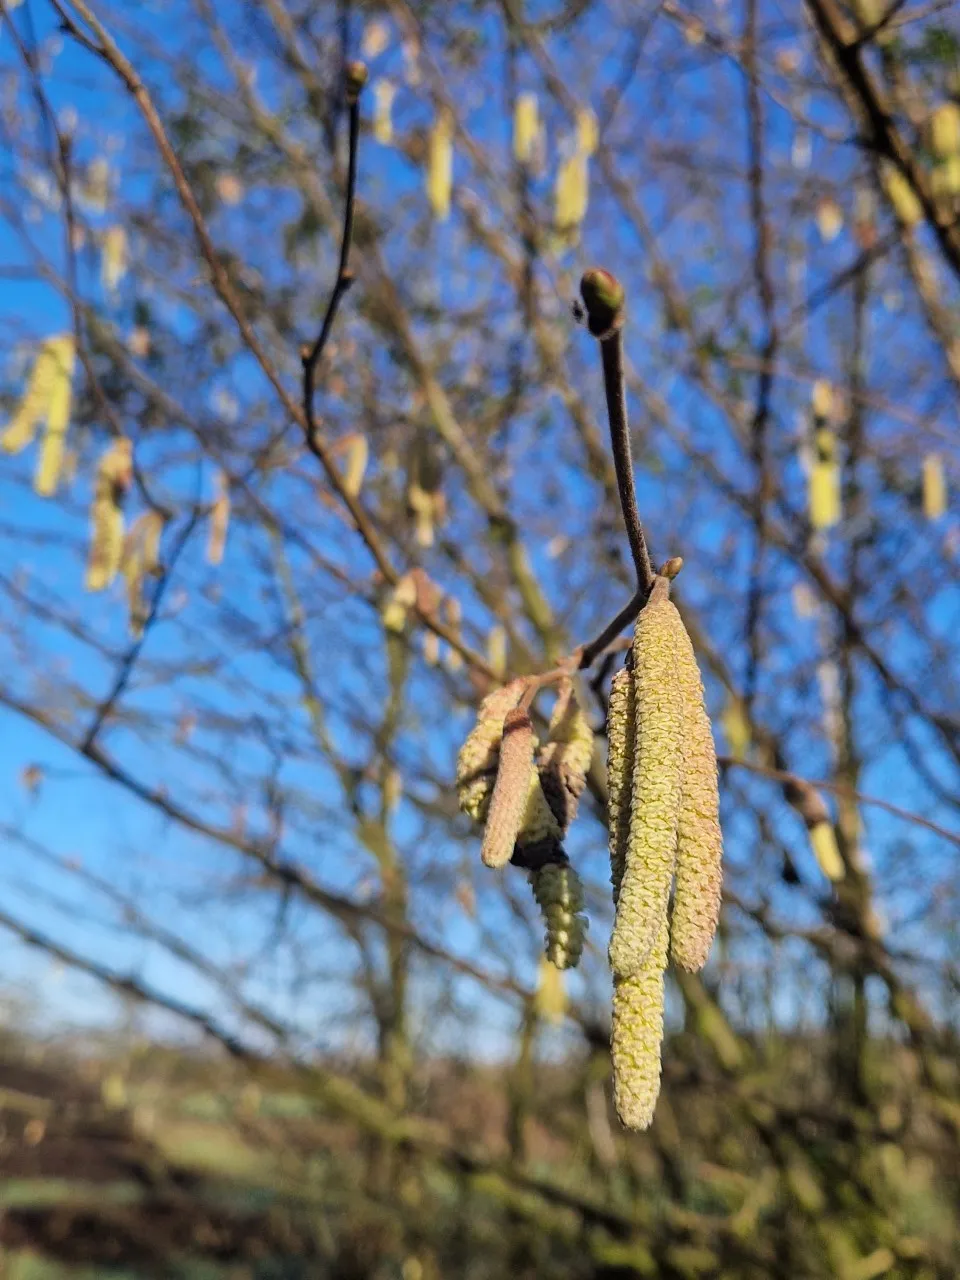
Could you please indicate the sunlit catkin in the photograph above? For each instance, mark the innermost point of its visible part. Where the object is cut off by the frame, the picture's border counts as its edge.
(477, 760)
(384, 92)
(564, 760)
(934, 487)
(53, 366)
(699, 873)
(140, 560)
(52, 445)
(559, 894)
(106, 515)
(219, 521)
(824, 481)
(637, 1035)
(621, 740)
(440, 165)
(508, 803)
(526, 127)
(660, 646)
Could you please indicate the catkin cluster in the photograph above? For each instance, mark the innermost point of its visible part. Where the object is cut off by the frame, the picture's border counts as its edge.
(664, 833)
(526, 796)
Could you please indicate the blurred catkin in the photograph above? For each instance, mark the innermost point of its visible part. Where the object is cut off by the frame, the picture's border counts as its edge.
(106, 515)
(139, 560)
(50, 460)
(559, 894)
(508, 803)
(660, 646)
(637, 1035)
(526, 127)
(621, 738)
(219, 521)
(440, 166)
(699, 874)
(477, 760)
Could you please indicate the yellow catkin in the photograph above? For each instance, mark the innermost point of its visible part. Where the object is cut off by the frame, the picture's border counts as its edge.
(497, 649)
(550, 1001)
(51, 456)
(477, 759)
(384, 92)
(821, 398)
(638, 1034)
(113, 261)
(564, 760)
(539, 823)
(736, 728)
(823, 841)
(699, 875)
(526, 127)
(559, 894)
(106, 515)
(54, 356)
(219, 521)
(440, 166)
(824, 482)
(906, 203)
(588, 132)
(659, 645)
(358, 455)
(621, 740)
(508, 802)
(934, 487)
(422, 505)
(945, 131)
(571, 192)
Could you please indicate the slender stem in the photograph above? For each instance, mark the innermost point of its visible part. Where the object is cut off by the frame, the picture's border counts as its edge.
(611, 350)
(590, 652)
(344, 277)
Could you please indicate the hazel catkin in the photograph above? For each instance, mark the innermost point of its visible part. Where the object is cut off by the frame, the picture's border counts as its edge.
(559, 894)
(638, 1034)
(659, 647)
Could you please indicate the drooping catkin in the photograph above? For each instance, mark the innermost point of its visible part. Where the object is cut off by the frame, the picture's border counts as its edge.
(699, 873)
(934, 487)
(52, 368)
(440, 165)
(219, 520)
(477, 760)
(50, 459)
(564, 760)
(526, 127)
(660, 645)
(508, 803)
(621, 740)
(106, 515)
(559, 894)
(140, 560)
(638, 1034)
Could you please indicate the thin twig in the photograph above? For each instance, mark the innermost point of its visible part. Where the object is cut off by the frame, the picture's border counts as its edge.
(611, 350)
(354, 76)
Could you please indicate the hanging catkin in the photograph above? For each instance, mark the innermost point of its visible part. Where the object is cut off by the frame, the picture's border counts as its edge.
(571, 193)
(52, 367)
(219, 521)
(508, 802)
(696, 896)
(564, 760)
(559, 894)
(440, 165)
(140, 560)
(526, 127)
(384, 92)
(638, 1034)
(106, 515)
(659, 647)
(934, 487)
(478, 757)
(621, 740)
(824, 481)
(52, 445)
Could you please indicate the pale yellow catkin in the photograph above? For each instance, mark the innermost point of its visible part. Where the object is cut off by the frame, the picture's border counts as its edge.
(621, 740)
(219, 521)
(106, 515)
(440, 166)
(508, 803)
(52, 446)
(659, 646)
(824, 482)
(637, 1035)
(934, 487)
(559, 894)
(358, 455)
(526, 127)
(699, 873)
(477, 759)
(572, 191)
(384, 92)
(53, 364)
